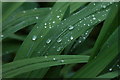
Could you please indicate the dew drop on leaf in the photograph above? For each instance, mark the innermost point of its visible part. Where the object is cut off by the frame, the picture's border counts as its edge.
(34, 38)
(36, 17)
(62, 61)
(71, 27)
(45, 56)
(53, 21)
(71, 37)
(59, 49)
(59, 40)
(110, 69)
(1, 36)
(24, 11)
(48, 41)
(54, 59)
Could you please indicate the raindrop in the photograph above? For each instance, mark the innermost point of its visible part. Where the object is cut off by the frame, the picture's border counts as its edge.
(71, 37)
(34, 38)
(45, 26)
(54, 59)
(88, 24)
(48, 41)
(62, 61)
(84, 24)
(36, 17)
(2, 36)
(59, 40)
(71, 27)
(94, 4)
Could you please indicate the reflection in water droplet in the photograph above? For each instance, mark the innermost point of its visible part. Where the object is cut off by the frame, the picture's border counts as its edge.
(110, 69)
(53, 21)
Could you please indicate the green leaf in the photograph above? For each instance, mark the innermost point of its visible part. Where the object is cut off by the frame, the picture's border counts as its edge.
(102, 59)
(109, 75)
(106, 30)
(21, 66)
(9, 8)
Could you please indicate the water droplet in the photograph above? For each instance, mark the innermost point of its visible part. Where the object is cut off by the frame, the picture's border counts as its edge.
(59, 49)
(59, 40)
(45, 26)
(41, 36)
(94, 4)
(35, 8)
(58, 16)
(34, 38)
(71, 27)
(2, 36)
(88, 24)
(48, 41)
(110, 69)
(45, 23)
(54, 59)
(94, 18)
(62, 61)
(104, 6)
(84, 24)
(24, 11)
(79, 41)
(36, 17)
(71, 37)
(53, 21)
(84, 37)
(45, 56)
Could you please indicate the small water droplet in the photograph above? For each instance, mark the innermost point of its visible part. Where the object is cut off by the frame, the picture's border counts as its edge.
(71, 37)
(94, 4)
(35, 8)
(59, 49)
(34, 38)
(71, 27)
(110, 69)
(45, 56)
(53, 21)
(45, 26)
(45, 23)
(36, 17)
(2, 36)
(84, 24)
(58, 16)
(48, 41)
(41, 36)
(62, 61)
(84, 37)
(24, 11)
(79, 41)
(104, 6)
(94, 18)
(54, 59)
(59, 40)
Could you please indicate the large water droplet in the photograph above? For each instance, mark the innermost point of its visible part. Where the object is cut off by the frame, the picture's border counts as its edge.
(48, 41)
(59, 40)
(34, 38)
(71, 27)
